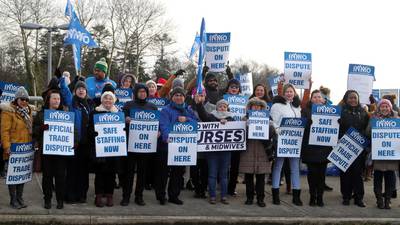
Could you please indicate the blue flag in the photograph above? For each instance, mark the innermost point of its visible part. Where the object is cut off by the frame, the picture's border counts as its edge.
(195, 46)
(77, 36)
(201, 55)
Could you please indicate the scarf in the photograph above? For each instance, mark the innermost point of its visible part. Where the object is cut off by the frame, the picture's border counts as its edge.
(221, 115)
(101, 108)
(24, 113)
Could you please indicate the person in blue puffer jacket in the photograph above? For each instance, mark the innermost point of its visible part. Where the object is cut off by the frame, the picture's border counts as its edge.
(77, 179)
(95, 83)
(176, 111)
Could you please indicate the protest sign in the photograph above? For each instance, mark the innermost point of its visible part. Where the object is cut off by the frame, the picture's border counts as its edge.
(182, 144)
(111, 136)
(360, 79)
(9, 90)
(324, 129)
(348, 149)
(298, 69)
(237, 105)
(290, 137)
(216, 137)
(273, 84)
(59, 138)
(20, 163)
(123, 94)
(217, 51)
(258, 124)
(246, 83)
(143, 131)
(385, 137)
(159, 102)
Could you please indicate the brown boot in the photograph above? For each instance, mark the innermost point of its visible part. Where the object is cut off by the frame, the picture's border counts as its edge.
(98, 201)
(110, 201)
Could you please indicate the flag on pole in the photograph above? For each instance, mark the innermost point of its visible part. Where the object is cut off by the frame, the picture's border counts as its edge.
(201, 56)
(77, 36)
(195, 46)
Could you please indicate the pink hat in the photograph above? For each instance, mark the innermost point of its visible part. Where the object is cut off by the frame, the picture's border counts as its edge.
(385, 101)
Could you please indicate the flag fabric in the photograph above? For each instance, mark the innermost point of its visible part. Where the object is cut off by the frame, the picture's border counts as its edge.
(201, 56)
(195, 46)
(77, 36)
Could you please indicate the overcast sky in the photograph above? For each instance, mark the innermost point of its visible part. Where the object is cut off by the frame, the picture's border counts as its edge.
(335, 32)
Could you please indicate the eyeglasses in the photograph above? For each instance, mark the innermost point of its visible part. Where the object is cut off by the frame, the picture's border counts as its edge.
(24, 99)
(234, 87)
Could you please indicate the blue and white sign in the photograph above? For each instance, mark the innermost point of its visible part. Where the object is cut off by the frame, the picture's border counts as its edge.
(217, 137)
(258, 124)
(237, 105)
(120, 106)
(290, 137)
(273, 84)
(159, 102)
(182, 144)
(20, 163)
(385, 139)
(361, 79)
(324, 129)
(59, 138)
(9, 90)
(246, 83)
(143, 131)
(348, 149)
(269, 105)
(217, 51)
(111, 136)
(123, 94)
(391, 91)
(298, 69)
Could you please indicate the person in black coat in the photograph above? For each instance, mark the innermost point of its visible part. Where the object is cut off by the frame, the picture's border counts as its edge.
(314, 156)
(138, 160)
(353, 115)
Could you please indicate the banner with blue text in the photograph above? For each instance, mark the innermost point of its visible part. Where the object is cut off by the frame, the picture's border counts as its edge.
(59, 138)
(182, 144)
(143, 131)
(20, 163)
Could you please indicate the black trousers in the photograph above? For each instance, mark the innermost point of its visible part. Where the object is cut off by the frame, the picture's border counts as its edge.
(199, 175)
(150, 170)
(389, 178)
(234, 171)
(260, 186)
(138, 161)
(351, 181)
(77, 179)
(316, 178)
(104, 183)
(175, 175)
(53, 167)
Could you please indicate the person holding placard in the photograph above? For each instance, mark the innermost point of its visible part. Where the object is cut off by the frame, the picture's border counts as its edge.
(105, 168)
(135, 160)
(218, 162)
(353, 115)
(286, 106)
(77, 179)
(176, 111)
(384, 170)
(314, 156)
(53, 166)
(16, 127)
(255, 160)
(260, 91)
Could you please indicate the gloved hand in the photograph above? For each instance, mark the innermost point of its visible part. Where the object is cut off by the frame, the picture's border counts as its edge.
(180, 72)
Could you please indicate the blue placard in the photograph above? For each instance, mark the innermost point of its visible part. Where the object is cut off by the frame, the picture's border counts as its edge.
(59, 116)
(59, 138)
(357, 137)
(9, 90)
(237, 105)
(269, 105)
(389, 123)
(360, 69)
(297, 56)
(108, 118)
(273, 84)
(21, 148)
(326, 110)
(293, 122)
(123, 94)
(145, 115)
(376, 93)
(218, 37)
(183, 128)
(20, 163)
(258, 113)
(385, 136)
(120, 106)
(159, 102)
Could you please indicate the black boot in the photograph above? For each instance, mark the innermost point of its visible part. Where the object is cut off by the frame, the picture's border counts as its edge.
(313, 199)
(296, 197)
(379, 200)
(387, 203)
(320, 200)
(20, 191)
(275, 196)
(12, 189)
(139, 201)
(359, 202)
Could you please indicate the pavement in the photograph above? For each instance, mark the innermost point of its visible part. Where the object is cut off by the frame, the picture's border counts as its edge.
(199, 211)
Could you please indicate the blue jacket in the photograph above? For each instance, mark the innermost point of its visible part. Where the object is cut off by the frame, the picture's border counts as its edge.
(169, 115)
(95, 86)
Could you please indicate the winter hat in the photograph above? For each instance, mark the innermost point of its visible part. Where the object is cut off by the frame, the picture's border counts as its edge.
(176, 91)
(178, 83)
(222, 102)
(110, 94)
(210, 76)
(233, 82)
(21, 93)
(151, 82)
(139, 86)
(108, 87)
(101, 65)
(385, 101)
(125, 76)
(161, 81)
(256, 101)
(80, 84)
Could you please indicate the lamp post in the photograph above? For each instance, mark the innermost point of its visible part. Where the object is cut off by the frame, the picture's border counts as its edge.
(50, 29)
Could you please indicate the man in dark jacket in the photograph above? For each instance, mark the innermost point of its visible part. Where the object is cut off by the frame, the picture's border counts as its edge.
(135, 159)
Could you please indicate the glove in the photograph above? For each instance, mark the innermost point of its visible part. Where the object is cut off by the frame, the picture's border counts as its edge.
(180, 72)
(45, 127)
(372, 99)
(205, 70)
(228, 70)
(58, 73)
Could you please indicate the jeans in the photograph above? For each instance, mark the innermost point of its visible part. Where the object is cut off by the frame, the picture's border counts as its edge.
(218, 166)
(294, 172)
